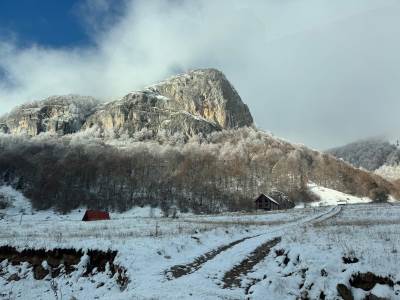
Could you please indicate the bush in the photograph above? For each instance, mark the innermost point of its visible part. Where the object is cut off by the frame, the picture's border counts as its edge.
(379, 194)
(303, 195)
(3, 202)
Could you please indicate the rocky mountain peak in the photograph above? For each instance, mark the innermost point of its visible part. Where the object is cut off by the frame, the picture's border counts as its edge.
(207, 93)
(56, 114)
(200, 101)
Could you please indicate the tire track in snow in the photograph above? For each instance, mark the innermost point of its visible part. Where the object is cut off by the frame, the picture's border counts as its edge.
(178, 271)
(182, 270)
(232, 277)
(330, 214)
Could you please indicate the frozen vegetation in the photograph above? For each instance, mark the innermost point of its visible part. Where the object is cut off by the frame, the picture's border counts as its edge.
(221, 172)
(378, 155)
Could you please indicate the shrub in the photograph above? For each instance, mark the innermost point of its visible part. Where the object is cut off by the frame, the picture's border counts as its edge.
(4, 202)
(378, 194)
(303, 195)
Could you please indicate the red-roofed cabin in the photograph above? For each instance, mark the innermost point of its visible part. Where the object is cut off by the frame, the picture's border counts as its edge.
(96, 215)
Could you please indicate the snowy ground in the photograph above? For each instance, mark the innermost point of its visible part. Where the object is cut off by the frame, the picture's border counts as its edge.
(333, 197)
(312, 244)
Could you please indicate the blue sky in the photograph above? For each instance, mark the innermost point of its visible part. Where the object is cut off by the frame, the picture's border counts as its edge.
(51, 23)
(318, 72)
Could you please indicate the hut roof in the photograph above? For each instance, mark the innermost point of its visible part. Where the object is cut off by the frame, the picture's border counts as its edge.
(95, 215)
(268, 197)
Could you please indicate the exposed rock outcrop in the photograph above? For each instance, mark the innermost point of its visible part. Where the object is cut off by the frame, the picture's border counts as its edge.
(201, 101)
(207, 93)
(140, 111)
(60, 262)
(57, 114)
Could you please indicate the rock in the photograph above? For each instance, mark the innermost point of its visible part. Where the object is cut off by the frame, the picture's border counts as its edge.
(57, 114)
(39, 272)
(71, 259)
(202, 101)
(367, 281)
(53, 261)
(55, 272)
(344, 292)
(350, 260)
(13, 277)
(147, 114)
(208, 94)
(35, 260)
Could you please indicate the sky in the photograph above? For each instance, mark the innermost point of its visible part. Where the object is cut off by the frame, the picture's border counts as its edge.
(318, 72)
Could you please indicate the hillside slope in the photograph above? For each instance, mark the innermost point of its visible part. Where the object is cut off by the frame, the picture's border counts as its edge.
(56, 114)
(375, 154)
(184, 142)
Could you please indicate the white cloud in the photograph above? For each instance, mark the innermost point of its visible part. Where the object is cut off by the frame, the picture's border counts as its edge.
(317, 71)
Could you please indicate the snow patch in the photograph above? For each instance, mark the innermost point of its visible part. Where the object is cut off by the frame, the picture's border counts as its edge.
(332, 197)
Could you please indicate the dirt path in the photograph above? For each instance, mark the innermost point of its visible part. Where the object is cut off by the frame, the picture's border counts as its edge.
(232, 278)
(181, 270)
(330, 214)
(256, 256)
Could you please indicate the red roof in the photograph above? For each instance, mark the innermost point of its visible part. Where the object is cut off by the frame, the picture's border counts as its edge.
(96, 215)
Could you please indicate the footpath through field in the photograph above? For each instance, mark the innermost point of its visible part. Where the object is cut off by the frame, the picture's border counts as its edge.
(228, 264)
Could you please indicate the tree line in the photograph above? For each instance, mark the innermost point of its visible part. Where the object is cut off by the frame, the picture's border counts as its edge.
(225, 171)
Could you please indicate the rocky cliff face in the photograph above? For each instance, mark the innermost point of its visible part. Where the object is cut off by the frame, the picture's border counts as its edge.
(201, 101)
(208, 94)
(57, 114)
(148, 111)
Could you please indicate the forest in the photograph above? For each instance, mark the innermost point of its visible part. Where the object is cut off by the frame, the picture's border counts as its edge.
(224, 171)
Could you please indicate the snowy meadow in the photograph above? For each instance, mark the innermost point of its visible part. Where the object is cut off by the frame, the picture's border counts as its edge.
(294, 254)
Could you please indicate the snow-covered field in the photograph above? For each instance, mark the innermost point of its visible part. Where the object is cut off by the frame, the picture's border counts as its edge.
(305, 259)
(333, 197)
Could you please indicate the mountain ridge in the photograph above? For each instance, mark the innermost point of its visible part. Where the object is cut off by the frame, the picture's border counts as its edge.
(188, 141)
(376, 154)
(200, 101)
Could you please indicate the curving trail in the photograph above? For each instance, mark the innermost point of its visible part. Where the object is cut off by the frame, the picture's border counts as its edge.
(182, 270)
(230, 278)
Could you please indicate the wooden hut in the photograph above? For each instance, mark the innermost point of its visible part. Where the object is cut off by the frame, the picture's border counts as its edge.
(95, 215)
(266, 203)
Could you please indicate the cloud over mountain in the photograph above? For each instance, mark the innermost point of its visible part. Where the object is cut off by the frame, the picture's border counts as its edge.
(312, 71)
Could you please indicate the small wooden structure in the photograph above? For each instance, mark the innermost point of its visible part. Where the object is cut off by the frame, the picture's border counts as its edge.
(266, 203)
(95, 215)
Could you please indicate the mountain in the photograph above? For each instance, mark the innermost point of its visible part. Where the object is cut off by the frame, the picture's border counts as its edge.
(57, 114)
(201, 101)
(126, 152)
(374, 154)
